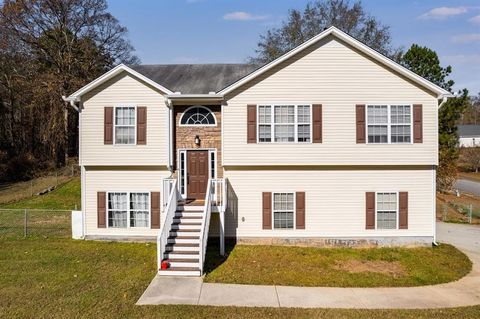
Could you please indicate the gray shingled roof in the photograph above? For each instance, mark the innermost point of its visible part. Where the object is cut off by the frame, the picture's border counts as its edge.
(195, 78)
(468, 130)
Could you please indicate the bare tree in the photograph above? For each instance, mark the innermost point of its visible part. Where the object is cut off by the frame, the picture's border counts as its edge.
(470, 158)
(317, 16)
(50, 48)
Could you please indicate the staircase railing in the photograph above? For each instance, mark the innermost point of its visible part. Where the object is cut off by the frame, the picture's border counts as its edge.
(167, 220)
(207, 212)
(219, 194)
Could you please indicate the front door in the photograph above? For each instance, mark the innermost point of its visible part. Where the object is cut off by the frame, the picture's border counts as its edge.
(197, 174)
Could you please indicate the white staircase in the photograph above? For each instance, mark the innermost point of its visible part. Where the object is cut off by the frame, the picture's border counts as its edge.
(183, 244)
(183, 237)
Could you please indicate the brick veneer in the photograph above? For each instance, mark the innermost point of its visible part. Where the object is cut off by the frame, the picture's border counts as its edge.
(210, 136)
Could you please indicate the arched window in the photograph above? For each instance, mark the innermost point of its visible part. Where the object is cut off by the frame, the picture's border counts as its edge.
(198, 115)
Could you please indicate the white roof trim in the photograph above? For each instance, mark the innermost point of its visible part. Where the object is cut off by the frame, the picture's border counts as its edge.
(110, 74)
(356, 44)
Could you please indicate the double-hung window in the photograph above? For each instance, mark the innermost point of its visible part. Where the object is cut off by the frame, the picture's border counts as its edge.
(125, 125)
(387, 210)
(283, 210)
(128, 209)
(389, 124)
(284, 123)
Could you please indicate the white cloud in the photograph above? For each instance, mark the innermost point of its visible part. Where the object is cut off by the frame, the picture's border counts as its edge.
(443, 12)
(475, 20)
(466, 38)
(243, 16)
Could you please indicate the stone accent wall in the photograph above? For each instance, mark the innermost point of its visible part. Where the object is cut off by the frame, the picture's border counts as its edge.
(210, 136)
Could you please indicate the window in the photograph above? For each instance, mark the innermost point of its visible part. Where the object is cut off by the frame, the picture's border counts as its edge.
(400, 121)
(389, 124)
(387, 210)
(117, 210)
(182, 172)
(212, 164)
(284, 123)
(125, 125)
(198, 115)
(139, 210)
(283, 210)
(128, 209)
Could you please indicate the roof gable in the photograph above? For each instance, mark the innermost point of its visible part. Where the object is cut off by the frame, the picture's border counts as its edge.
(355, 44)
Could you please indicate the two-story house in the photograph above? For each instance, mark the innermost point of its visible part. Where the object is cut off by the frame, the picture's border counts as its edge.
(332, 143)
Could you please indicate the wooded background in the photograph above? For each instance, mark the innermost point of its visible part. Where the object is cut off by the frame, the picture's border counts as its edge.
(51, 48)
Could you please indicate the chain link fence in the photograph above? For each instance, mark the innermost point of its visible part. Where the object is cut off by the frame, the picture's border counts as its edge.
(11, 192)
(460, 209)
(35, 222)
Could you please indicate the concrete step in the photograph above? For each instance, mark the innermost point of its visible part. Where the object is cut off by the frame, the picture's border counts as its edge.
(176, 254)
(182, 246)
(185, 232)
(183, 262)
(180, 271)
(186, 226)
(184, 208)
(182, 214)
(183, 240)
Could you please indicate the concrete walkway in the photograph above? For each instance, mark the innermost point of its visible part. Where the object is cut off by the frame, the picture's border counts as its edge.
(464, 292)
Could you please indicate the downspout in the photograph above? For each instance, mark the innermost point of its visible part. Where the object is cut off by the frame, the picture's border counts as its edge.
(168, 103)
(434, 187)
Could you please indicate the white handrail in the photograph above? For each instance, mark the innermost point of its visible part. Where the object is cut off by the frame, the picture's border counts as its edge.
(207, 211)
(164, 233)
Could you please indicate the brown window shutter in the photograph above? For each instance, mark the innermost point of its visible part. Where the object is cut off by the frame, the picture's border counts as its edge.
(360, 119)
(155, 210)
(370, 210)
(417, 123)
(108, 125)
(251, 124)
(267, 210)
(101, 210)
(317, 123)
(300, 210)
(141, 125)
(403, 210)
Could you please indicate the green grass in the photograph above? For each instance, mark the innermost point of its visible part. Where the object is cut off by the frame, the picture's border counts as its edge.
(63, 278)
(66, 197)
(307, 266)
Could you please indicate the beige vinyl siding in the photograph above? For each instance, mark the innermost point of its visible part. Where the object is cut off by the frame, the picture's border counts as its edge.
(124, 90)
(338, 77)
(335, 200)
(119, 180)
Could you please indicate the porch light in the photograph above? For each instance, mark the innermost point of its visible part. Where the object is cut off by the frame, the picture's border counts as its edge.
(197, 140)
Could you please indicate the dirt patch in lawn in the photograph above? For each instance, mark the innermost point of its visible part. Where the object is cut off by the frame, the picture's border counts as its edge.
(391, 268)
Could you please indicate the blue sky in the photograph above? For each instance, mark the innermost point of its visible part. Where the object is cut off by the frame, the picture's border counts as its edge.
(222, 31)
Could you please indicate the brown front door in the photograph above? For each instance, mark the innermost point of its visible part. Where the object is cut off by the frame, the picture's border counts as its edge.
(197, 174)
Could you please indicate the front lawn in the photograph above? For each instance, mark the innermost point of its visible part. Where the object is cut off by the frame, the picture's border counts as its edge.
(338, 267)
(63, 278)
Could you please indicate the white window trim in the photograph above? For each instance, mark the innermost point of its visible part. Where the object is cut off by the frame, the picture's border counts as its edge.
(397, 210)
(128, 209)
(198, 125)
(185, 151)
(294, 211)
(115, 125)
(389, 124)
(272, 123)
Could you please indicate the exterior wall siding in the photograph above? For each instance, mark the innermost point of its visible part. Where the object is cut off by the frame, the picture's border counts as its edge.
(124, 90)
(141, 179)
(335, 200)
(335, 75)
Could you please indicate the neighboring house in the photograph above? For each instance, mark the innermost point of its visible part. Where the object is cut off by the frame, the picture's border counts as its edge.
(330, 144)
(469, 135)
